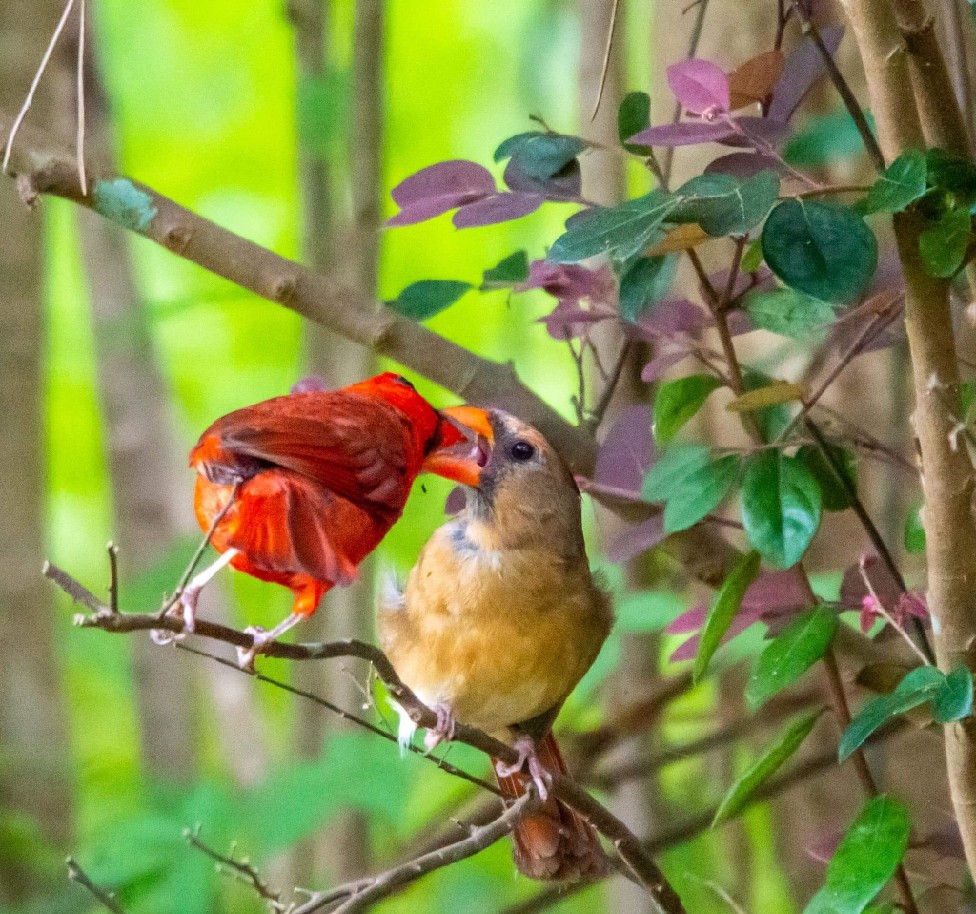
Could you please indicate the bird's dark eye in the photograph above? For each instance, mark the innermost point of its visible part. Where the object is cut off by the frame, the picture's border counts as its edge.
(522, 451)
(400, 379)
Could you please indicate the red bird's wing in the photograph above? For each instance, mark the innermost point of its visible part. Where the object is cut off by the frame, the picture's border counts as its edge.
(285, 522)
(356, 446)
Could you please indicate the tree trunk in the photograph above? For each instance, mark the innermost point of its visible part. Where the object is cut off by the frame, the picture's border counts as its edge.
(34, 777)
(354, 251)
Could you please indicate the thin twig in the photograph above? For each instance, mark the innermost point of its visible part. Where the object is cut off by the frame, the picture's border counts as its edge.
(363, 893)
(195, 560)
(696, 34)
(596, 417)
(835, 688)
(113, 580)
(107, 899)
(18, 120)
(80, 129)
(242, 870)
(843, 89)
(606, 59)
(446, 767)
(874, 534)
(563, 788)
(880, 608)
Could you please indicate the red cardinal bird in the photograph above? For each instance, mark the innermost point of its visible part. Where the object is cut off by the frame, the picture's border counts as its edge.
(310, 483)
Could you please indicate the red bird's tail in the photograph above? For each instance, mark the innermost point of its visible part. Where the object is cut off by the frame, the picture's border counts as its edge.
(554, 842)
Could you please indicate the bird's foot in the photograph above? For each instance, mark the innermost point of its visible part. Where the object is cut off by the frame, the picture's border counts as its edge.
(184, 609)
(261, 638)
(525, 747)
(444, 730)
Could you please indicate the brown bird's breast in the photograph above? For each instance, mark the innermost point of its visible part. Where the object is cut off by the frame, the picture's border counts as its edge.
(501, 635)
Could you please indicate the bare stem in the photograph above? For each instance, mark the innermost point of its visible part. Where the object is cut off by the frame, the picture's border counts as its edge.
(106, 899)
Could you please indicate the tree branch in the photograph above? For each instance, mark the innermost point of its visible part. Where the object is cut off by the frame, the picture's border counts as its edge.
(363, 893)
(41, 167)
(106, 899)
(627, 844)
(242, 870)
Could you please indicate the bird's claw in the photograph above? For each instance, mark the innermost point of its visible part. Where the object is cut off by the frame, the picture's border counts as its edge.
(525, 747)
(184, 609)
(444, 729)
(261, 638)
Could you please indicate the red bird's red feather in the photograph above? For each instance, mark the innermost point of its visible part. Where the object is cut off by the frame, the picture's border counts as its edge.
(321, 476)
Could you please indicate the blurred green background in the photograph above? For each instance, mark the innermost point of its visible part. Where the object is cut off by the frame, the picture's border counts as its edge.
(208, 109)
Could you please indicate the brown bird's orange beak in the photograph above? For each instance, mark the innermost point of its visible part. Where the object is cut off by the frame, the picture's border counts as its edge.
(463, 443)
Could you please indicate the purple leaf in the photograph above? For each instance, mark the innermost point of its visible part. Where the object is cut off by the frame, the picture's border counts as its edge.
(672, 317)
(700, 86)
(310, 384)
(569, 282)
(565, 186)
(627, 452)
(636, 540)
(685, 133)
(774, 597)
(803, 68)
(497, 208)
(439, 188)
(757, 131)
(568, 321)
(743, 164)
(853, 589)
(663, 360)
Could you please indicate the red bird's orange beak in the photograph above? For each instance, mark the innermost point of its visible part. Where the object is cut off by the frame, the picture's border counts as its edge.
(464, 440)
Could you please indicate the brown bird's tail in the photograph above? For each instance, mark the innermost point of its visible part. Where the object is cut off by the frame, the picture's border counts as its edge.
(554, 842)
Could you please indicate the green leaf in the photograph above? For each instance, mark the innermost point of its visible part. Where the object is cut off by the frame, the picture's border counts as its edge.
(902, 183)
(775, 394)
(780, 506)
(724, 205)
(943, 244)
(865, 859)
(791, 653)
(677, 401)
(765, 766)
(507, 272)
(422, 300)
(617, 231)
(752, 259)
(952, 175)
(772, 420)
(833, 494)
(644, 284)
(914, 531)
(952, 698)
(820, 248)
(691, 483)
(540, 155)
(789, 312)
(727, 603)
(823, 140)
(634, 116)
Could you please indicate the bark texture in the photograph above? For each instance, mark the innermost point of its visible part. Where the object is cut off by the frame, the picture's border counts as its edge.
(33, 718)
(947, 473)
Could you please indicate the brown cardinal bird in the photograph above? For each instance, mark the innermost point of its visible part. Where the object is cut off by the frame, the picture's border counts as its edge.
(499, 620)
(303, 487)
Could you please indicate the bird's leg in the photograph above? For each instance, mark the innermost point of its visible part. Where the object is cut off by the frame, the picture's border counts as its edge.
(185, 607)
(444, 730)
(525, 747)
(191, 593)
(262, 638)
